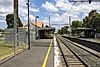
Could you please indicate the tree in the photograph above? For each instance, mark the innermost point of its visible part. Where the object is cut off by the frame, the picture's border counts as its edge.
(85, 21)
(46, 26)
(92, 20)
(76, 24)
(10, 21)
(64, 30)
(59, 32)
(52, 31)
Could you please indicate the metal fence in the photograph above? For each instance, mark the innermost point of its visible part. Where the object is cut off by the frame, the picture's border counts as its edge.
(7, 41)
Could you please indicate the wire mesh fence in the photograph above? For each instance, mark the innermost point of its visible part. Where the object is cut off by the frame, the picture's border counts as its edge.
(7, 46)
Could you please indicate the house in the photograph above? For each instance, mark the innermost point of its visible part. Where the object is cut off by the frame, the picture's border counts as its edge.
(39, 24)
(39, 29)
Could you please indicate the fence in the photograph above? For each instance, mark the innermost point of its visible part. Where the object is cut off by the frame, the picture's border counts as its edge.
(7, 46)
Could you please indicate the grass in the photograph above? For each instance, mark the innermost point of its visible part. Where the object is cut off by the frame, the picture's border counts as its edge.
(6, 48)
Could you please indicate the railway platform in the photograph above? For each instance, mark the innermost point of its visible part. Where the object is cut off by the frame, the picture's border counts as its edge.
(96, 40)
(91, 40)
(40, 55)
(56, 52)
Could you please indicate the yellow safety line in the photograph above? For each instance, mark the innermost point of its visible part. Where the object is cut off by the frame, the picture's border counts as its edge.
(47, 55)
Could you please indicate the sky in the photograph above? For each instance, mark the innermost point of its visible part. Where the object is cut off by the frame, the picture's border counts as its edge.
(58, 11)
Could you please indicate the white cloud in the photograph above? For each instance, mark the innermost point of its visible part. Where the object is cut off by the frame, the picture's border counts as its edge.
(76, 11)
(23, 11)
(32, 18)
(34, 9)
(55, 18)
(6, 7)
(49, 7)
(63, 5)
(79, 9)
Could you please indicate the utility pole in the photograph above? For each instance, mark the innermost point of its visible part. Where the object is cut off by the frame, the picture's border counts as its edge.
(59, 26)
(36, 26)
(15, 24)
(70, 25)
(49, 22)
(28, 27)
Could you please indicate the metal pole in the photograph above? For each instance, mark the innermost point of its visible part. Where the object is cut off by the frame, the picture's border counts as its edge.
(49, 21)
(15, 32)
(15, 23)
(28, 28)
(59, 26)
(70, 24)
(36, 26)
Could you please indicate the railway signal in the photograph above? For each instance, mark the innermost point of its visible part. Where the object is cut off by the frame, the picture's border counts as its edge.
(80, 1)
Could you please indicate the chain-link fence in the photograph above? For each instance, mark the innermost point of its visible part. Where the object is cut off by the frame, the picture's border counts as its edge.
(9, 46)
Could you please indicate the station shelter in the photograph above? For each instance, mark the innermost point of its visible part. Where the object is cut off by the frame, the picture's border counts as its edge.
(44, 32)
(40, 32)
(86, 32)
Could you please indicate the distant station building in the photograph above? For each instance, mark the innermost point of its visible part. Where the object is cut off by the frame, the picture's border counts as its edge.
(39, 30)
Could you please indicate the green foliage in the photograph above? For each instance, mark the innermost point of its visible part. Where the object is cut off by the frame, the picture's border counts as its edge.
(76, 24)
(52, 31)
(46, 26)
(64, 30)
(59, 31)
(92, 20)
(10, 21)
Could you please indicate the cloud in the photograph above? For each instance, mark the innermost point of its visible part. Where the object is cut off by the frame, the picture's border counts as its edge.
(63, 5)
(23, 11)
(49, 7)
(34, 9)
(5, 8)
(78, 11)
(55, 18)
(58, 10)
(32, 18)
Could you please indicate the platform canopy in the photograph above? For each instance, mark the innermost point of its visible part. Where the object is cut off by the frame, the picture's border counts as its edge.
(84, 29)
(46, 28)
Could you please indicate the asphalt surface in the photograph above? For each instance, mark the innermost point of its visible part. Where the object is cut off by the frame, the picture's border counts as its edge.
(34, 57)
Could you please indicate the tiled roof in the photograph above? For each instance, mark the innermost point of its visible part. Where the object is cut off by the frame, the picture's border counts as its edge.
(38, 24)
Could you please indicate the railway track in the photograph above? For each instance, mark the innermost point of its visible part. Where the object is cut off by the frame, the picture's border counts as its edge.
(75, 56)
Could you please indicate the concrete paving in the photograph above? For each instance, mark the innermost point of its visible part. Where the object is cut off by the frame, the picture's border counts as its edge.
(34, 57)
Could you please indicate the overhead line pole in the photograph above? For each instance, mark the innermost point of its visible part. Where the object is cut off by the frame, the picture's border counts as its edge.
(36, 26)
(28, 27)
(15, 24)
(49, 22)
(70, 24)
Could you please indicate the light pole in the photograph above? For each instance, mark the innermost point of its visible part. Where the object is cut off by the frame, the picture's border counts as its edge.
(36, 26)
(28, 27)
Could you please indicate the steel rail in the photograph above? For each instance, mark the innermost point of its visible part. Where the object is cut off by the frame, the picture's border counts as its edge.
(84, 56)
